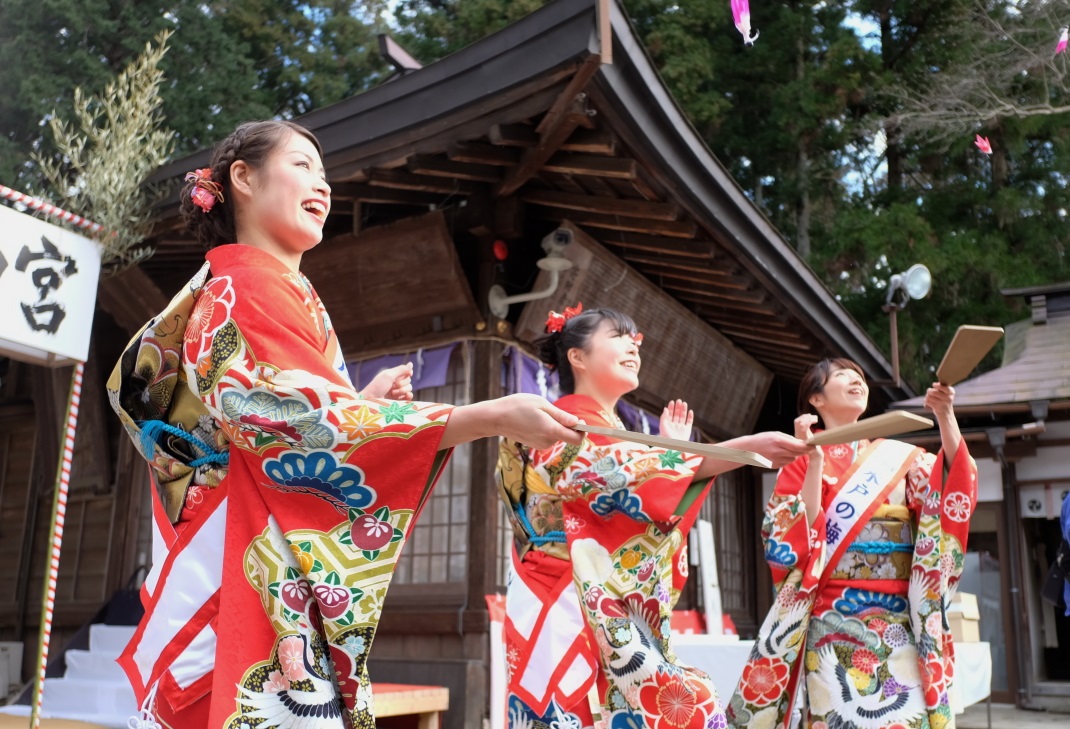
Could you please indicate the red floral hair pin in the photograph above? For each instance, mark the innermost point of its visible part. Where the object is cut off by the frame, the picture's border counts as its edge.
(556, 322)
(206, 191)
(638, 339)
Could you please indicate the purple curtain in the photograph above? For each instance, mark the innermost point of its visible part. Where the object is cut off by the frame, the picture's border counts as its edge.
(430, 367)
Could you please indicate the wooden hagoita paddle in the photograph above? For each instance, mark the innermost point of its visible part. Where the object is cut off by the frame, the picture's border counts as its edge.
(967, 349)
(894, 422)
(747, 458)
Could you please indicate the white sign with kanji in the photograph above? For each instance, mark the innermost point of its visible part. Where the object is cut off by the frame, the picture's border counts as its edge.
(48, 290)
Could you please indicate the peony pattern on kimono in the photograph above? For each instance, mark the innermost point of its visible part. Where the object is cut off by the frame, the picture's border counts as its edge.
(323, 488)
(870, 643)
(626, 559)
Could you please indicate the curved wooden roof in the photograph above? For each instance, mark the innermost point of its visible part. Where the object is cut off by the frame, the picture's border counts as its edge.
(533, 117)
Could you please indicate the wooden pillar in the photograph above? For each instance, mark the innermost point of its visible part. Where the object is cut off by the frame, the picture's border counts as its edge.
(484, 367)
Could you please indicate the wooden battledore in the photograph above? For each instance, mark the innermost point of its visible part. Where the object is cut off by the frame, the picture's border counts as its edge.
(734, 455)
(969, 346)
(894, 422)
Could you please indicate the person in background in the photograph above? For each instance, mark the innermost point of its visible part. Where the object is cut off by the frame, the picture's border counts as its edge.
(865, 541)
(600, 558)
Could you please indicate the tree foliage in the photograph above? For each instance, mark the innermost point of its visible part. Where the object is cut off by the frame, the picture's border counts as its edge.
(228, 62)
(108, 155)
(850, 124)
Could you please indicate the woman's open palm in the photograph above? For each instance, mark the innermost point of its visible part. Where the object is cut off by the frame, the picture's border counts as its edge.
(676, 420)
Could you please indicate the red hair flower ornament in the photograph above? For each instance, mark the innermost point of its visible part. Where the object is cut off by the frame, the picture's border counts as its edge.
(206, 191)
(556, 322)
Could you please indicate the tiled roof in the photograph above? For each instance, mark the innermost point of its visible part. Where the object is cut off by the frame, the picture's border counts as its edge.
(1036, 366)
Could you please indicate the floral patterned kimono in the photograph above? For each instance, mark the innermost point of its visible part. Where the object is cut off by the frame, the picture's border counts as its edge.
(857, 637)
(600, 560)
(290, 499)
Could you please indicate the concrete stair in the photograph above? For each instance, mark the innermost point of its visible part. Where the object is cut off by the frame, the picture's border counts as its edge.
(93, 689)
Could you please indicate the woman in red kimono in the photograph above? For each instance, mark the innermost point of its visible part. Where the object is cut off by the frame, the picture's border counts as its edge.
(290, 494)
(601, 552)
(866, 542)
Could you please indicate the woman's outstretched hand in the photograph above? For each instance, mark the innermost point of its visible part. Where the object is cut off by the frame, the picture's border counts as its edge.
(394, 383)
(941, 400)
(529, 419)
(780, 448)
(676, 420)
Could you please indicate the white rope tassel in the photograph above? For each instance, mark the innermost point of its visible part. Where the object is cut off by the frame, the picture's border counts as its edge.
(145, 718)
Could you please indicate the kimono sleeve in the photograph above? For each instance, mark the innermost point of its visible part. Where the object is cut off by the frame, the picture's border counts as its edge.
(255, 353)
(943, 504)
(785, 533)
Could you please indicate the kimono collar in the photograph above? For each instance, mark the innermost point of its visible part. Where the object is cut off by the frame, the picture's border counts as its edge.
(585, 406)
(238, 255)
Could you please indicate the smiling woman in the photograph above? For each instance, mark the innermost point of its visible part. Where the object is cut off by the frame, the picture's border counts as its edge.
(285, 496)
(863, 540)
(599, 560)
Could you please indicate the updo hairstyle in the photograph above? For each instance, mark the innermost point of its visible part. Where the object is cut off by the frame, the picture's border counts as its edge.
(252, 142)
(576, 333)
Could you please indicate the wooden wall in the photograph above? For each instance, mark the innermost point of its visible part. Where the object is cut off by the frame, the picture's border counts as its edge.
(683, 356)
(104, 535)
(393, 284)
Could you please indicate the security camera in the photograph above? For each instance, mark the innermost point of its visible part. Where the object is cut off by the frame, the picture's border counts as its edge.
(554, 243)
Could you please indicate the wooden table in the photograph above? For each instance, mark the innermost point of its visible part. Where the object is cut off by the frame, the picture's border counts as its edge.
(420, 705)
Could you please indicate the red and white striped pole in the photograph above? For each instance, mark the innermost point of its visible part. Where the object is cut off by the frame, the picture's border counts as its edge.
(63, 471)
(59, 515)
(48, 209)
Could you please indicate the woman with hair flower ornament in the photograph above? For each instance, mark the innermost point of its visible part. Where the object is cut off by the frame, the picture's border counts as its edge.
(599, 558)
(865, 542)
(284, 496)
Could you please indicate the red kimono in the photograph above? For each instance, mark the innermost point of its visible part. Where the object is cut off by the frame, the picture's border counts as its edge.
(857, 636)
(602, 532)
(291, 495)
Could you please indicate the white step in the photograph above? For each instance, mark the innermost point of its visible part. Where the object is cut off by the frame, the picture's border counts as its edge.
(93, 667)
(110, 639)
(78, 697)
(11, 657)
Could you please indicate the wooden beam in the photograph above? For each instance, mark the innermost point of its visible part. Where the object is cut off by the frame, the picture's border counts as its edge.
(708, 265)
(771, 339)
(406, 181)
(675, 229)
(739, 306)
(513, 135)
(699, 249)
(509, 218)
(600, 187)
(437, 167)
(568, 112)
(721, 319)
(593, 165)
(566, 100)
(384, 195)
(484, 154)
(586, 141)
(746, 297)
(727, 284)
(605, 30)
(606, 205)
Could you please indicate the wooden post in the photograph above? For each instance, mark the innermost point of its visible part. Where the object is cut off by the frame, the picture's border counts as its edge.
(605, 31)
